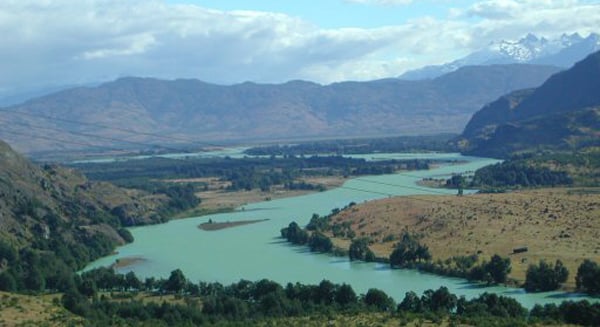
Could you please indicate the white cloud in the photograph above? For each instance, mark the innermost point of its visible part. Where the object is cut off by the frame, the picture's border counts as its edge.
(67, 42)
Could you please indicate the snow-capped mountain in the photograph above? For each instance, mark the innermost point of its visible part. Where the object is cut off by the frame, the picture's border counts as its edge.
(561, 52)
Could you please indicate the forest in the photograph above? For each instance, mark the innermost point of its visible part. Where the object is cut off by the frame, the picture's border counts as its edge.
(406, 144)
(246, 173)
(106, 298)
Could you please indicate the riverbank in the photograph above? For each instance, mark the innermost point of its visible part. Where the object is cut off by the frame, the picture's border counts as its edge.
(553, 224)
(217, 199)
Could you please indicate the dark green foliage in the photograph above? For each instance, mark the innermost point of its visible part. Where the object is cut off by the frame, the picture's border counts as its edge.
(246, 301)
(579, 313)
(125, 234)
(588, 277)
(294, 234)
(182, 197)
(408, 251)
(543, 277)
(440, 300)
(131, 281)
(7, 252)
(359, 250)
(360, 146)
(7, 282)
(491, 304)
(319, 242)
(456, 181)
(498, 268)
(318, 223)
(411, 303)
(378, 299)
(516, 173)
(176, 282)
(345, 295)
(242, 173)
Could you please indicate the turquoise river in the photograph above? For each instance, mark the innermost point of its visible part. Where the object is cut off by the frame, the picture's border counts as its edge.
(255, 251)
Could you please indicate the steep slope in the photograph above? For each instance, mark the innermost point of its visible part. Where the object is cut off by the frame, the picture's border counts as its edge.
(52, 202)
(191, 109)
(561, 52)
(53, 221)
(563, 113)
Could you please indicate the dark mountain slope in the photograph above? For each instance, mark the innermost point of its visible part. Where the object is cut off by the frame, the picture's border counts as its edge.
(53, 221)
(52, 202)
(205, 112)
(562, 114)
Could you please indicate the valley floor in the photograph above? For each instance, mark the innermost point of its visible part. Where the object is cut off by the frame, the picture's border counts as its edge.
(217, 199)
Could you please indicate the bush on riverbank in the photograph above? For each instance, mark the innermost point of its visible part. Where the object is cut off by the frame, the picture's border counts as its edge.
(544, 277)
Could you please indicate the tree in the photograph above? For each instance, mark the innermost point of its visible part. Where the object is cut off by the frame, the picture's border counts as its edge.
(35, 280)
(88, 288)
(442, 300)
(294, 234)
(377, 298)
(7, 282)
(176, 282)
(588, 277)
(359, 250)
(408, 251)
(544, 277)
(345, 295)
(411, 303)
(132, 282)
(326, 292)
(498, 268)
(318, 242)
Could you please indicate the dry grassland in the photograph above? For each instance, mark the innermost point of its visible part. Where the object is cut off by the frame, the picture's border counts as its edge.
(24, 310)
(552, 223)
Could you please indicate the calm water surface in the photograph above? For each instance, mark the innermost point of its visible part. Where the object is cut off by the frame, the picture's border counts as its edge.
(255, 251)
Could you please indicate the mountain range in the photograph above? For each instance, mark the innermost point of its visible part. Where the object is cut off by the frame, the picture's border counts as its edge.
(561, 52)
(562, 114)
(194, 111)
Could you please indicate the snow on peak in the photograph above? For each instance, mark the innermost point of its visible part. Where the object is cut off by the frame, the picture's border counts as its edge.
(562, 51)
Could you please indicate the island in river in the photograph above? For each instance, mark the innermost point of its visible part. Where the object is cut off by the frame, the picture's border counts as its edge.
(214, 226)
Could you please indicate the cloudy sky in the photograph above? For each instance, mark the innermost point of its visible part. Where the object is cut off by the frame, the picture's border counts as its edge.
(68, 42)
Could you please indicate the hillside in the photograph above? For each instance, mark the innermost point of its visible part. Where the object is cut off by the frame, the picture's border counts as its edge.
(551, 223)
(189, 110)
(53, 221)
(40, 201)
(561, 114)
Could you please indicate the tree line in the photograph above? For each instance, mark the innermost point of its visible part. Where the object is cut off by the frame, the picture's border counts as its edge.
(409, 253)
(100, 293)
(427, 143)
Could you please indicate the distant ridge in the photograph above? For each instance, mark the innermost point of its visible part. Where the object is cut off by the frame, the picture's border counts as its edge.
(203, 112)
(563, 113)
(560, 52)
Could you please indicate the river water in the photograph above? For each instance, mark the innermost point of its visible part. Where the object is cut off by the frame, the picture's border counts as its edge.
(255, 251)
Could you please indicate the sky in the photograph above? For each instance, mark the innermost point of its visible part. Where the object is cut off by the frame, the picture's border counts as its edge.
(48, 43)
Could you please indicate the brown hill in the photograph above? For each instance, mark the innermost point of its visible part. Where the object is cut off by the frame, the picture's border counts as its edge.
(189, 110)
(551, 223)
